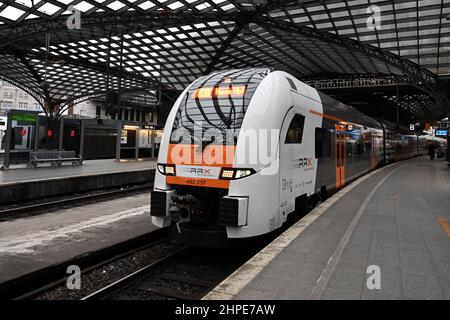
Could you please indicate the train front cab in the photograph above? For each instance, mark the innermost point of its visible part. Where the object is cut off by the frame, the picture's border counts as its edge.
(260, 202)
(225, 202)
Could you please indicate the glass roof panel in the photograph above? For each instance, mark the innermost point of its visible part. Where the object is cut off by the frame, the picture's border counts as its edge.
(307, 38)
(11, 13)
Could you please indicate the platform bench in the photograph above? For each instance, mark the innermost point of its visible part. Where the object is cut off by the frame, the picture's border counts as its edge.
(55, 158)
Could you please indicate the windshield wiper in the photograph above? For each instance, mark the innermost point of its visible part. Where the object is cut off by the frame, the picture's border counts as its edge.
(206, 143)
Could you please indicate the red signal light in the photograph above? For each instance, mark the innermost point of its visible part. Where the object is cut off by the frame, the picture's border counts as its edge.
(72, 133)
(22, 132)
(49, 133)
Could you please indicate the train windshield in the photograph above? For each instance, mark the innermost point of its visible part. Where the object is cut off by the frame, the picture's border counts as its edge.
(213, 109)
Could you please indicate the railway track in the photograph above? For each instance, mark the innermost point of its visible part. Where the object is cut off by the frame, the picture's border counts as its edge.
(32, 207)
(187, 274)
(39, 283)
(176, 273)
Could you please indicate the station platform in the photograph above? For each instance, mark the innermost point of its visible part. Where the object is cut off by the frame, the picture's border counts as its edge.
(27, 184)
(90, 167)
(384, 236)
(37, 242)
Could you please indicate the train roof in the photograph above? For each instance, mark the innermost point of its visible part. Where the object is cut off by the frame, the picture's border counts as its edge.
(340, 110)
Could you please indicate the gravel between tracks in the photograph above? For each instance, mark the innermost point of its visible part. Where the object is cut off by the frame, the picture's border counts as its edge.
(109, 273)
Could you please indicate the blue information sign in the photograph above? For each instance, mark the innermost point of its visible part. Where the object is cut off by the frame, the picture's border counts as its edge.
(441, 133)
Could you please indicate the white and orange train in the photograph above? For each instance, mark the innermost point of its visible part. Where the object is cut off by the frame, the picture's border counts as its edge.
(243, 149)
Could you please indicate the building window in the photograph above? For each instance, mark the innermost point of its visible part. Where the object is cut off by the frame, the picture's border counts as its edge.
(138, 115)
(7, 104)
(125, 115)
(119, 116)
(36, 106)
(295, 131)
(132, 115)
(23, 95)
(23, 105)
(98, 111)
(8, 94)
(6, 84)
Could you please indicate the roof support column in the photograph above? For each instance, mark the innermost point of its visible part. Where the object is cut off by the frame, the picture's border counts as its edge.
(119, 93)
(398, 105)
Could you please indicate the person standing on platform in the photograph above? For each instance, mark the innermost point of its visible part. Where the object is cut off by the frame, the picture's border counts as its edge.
(431, 151)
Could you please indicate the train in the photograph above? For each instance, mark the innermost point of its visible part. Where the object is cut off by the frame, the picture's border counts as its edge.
(242, 150)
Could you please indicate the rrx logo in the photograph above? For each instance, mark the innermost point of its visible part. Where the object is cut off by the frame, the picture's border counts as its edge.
(200, 172)
(305, 162)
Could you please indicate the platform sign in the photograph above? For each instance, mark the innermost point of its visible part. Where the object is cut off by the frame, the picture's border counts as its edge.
(24, 117)
(123, 136)
(3, 123)
(412, 127)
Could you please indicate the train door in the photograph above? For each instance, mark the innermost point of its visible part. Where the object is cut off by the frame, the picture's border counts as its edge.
(293, 161)
(340, 155)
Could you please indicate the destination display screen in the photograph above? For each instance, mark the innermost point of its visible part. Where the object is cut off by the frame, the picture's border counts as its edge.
(218, 92)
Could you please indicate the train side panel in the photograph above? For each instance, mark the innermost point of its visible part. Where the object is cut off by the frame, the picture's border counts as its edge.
(348, 145)
(272, 192)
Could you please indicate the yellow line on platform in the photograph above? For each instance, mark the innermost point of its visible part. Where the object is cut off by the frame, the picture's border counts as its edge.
(445, 226)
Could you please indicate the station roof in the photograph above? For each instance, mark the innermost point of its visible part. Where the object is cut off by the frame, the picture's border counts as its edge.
(150, 44)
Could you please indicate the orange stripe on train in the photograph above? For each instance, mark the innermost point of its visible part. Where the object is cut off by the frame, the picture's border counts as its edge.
(211, 156)
(198, 182)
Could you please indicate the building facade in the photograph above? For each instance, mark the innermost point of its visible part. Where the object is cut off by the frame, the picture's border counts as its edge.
(12, 97)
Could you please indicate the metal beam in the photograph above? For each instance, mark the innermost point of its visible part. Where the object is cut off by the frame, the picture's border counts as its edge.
(379, 82)
(81, 98)
(99, 67)
(225, 45)
(406, 66)
(127, 22)
(24, 58)
(36, 76)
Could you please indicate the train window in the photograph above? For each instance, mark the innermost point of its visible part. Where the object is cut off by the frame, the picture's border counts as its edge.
(291, 83)
(323, 143)
(220, 111)
(295, 131)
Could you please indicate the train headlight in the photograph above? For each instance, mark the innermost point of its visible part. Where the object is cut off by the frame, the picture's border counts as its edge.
(170, 170)
(235, 173)
(227, 174)
(166, 169)
(241, 173)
